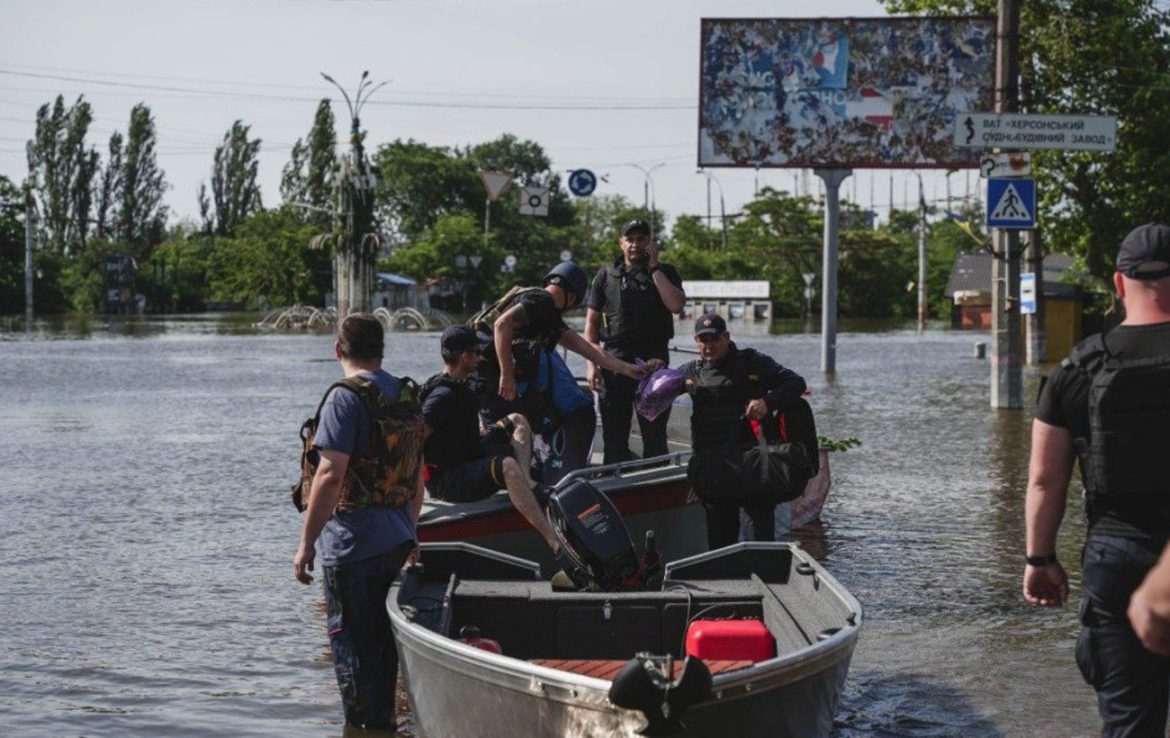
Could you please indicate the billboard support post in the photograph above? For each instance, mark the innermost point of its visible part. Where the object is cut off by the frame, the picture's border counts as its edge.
(832, 179)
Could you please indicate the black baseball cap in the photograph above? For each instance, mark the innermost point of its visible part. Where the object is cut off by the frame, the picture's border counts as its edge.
(1145, 252)
(462, 338)
(710, 323)
(636, 226)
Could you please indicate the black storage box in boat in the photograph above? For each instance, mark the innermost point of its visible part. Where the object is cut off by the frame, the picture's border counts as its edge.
(592, 529)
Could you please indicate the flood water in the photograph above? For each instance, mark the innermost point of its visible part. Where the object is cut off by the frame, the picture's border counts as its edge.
(146, 537)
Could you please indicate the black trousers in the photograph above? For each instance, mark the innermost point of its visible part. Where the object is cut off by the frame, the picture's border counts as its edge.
(617, 409)
(723, 523)
(1133, 684)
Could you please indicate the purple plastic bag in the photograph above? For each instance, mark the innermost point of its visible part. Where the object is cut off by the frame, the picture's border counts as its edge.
(657, 391)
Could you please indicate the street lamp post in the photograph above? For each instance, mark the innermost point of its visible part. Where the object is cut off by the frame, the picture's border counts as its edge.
(722, 207)
(648, 191)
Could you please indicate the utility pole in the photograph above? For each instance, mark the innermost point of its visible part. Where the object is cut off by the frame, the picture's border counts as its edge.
(1035, 323)
(1006, 369)
(921, 256)
(30, 208)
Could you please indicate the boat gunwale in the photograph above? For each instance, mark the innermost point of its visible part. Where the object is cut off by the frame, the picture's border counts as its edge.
(451, 654)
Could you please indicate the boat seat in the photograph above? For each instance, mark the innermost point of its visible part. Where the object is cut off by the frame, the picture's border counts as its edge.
(608, 668)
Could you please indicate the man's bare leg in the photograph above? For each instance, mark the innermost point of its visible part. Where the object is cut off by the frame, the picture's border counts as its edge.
(522, 444)
(520, 493)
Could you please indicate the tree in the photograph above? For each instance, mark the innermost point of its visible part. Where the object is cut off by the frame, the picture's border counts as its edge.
(141, 212)
(418, 183)
(269, 262)
(1090, 57)
(322, 164)
(62, 171)
(308, 177)
(109, 188)
(234, 191)
(11, 247)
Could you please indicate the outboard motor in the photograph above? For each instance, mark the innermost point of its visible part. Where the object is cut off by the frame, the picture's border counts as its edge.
(647, 683)
(594, 537)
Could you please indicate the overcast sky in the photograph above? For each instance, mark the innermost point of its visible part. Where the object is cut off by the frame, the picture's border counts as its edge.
(556, 71)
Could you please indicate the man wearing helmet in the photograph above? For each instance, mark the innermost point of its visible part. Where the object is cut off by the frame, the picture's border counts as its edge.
(533, 378)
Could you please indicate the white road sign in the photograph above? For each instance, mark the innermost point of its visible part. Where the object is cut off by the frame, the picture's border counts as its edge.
(1021, 131)
(566, 255)
(534, 201)
(1015, 164)
(510, 260)
(495, 183)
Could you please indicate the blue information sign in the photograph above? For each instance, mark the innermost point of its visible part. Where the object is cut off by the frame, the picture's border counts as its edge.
(582, 182)
(1011, 203)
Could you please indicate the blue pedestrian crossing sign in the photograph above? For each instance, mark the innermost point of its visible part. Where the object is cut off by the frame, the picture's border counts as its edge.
(582, 182)
(1011, 203)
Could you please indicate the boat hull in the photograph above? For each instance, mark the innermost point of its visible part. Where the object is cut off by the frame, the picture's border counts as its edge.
(459, 690)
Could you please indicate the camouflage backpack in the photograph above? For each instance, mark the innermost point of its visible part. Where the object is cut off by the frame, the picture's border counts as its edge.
(485, 320)
(385, 474)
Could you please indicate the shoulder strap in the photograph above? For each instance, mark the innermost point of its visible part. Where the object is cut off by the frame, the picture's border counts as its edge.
(1086, 354)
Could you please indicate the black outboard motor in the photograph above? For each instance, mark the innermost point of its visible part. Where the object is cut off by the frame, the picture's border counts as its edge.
(594, 536)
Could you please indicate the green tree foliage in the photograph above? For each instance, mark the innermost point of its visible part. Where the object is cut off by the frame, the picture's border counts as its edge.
(269, 262)
(63, 170)
(141, 214)
(109, 188)
(308, 177)
(418, 184)
(11, 247)
(1091, 57)
(235, 194)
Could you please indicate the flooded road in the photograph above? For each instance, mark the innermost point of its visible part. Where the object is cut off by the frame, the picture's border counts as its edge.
(146, 536)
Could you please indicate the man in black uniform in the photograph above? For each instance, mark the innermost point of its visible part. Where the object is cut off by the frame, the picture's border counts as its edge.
(729, 387)
(631, 310)
(462, 464)
(1108, 404)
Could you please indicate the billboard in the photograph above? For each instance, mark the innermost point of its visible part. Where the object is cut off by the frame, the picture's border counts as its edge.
(841, 92)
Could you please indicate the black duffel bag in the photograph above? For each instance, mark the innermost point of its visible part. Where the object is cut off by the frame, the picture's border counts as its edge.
(772, 473)
(765, 474)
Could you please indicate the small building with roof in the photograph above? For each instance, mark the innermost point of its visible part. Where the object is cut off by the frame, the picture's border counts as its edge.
(733, 299)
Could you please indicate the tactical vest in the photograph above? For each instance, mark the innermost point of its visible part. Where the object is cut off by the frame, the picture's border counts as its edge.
(633, 312)
(719, 396)
(485, 320)
(385, 473)
(1129, 414)
(458, 441)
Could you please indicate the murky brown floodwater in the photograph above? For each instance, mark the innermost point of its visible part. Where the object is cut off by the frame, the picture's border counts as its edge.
(146, 536)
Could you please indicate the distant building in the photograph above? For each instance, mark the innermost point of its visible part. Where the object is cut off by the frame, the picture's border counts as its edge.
(733, 299)
(969, 289)
(393, 291)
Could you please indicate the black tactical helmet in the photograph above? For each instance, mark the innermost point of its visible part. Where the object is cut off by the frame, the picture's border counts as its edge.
(571, 277)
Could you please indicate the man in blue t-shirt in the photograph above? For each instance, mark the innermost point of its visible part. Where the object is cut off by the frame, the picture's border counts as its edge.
(362, 549)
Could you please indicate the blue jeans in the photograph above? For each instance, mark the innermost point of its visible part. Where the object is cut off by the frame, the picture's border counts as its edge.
(1133, 684)
(364, 655)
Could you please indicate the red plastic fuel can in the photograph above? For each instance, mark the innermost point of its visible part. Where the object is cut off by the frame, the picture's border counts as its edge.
(734, 640)
(470, 635)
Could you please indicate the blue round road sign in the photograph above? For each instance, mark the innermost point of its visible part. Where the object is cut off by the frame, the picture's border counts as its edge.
(582, 182)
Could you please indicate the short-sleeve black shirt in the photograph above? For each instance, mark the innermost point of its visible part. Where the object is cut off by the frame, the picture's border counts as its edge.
(1064, 403)
(540, 318)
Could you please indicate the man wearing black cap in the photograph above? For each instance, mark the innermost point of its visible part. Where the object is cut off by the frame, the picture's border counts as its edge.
(1108, 405)
(631, 311)
(730, 387)
(462, 464)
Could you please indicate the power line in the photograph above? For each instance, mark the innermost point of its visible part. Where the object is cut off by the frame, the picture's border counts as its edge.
(383, 103)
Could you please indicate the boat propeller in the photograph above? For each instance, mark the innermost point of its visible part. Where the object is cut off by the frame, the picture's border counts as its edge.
(646, 683)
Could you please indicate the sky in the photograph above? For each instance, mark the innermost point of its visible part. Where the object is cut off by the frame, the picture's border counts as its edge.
(606, 85)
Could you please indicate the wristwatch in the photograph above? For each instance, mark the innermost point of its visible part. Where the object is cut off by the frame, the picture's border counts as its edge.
(653, 269)
(1046, 560)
